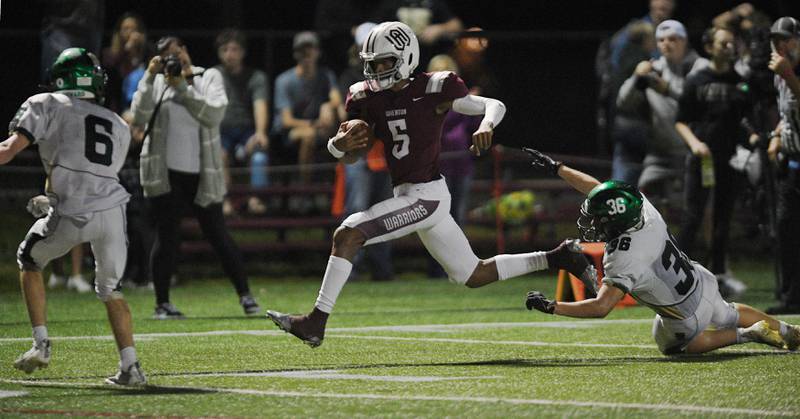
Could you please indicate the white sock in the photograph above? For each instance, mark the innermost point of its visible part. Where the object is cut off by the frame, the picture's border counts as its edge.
(740, 338)
(127, 357)
(335, 277)
(784, 330)
(39, 334)
(509, 266)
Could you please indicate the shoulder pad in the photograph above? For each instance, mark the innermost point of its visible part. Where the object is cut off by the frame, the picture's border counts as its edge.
(436, 81)
(358, 90)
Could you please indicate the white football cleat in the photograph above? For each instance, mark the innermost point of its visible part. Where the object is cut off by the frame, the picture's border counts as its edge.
(133, 376)
(36, 357)
(77, 283)
(56, 281)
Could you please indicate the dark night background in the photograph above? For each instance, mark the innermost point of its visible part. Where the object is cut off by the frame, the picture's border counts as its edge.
(541, 51)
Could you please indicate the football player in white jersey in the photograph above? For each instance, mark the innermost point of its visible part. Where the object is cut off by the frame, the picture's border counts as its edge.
(82, 146)
(641, 259)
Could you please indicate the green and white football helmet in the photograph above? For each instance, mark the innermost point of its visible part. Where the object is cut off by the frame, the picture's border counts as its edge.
(77, 73)
(610, 209)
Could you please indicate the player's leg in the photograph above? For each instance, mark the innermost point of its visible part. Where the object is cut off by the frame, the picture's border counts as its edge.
(109, 245)
(384, 221)
(48, 239)
(750, 317)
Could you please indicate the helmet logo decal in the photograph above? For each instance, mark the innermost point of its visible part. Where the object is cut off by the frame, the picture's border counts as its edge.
(398, 38)
(59, 82)
(84, 81)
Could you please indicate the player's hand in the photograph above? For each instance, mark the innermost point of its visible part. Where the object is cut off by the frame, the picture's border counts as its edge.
(354, 139)
(482, 139)
(155, 66)
(537, 300)
(779, 65)
(700, 149)
(542, 161)
(38, 206)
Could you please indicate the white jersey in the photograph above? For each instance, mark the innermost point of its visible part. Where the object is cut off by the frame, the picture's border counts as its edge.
(82, 147)
(646, 263)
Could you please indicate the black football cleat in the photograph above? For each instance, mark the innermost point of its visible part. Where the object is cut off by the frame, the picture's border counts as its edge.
(569, 257)
(309, 330)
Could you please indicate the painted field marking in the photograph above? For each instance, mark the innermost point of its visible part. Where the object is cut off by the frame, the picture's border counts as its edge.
(4, 394)
(420, 398)
(335, 375)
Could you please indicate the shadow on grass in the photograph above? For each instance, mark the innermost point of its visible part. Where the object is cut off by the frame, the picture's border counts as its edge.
(515, 363)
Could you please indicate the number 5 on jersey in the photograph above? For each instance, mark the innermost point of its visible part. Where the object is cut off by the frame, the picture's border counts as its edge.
(399, 137)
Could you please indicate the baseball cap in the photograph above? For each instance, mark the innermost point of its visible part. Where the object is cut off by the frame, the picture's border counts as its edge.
(786, 27)
(362, 32)
(670, 27)
(305, 38)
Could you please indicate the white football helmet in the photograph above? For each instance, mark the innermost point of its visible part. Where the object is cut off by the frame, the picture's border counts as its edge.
(389, 40)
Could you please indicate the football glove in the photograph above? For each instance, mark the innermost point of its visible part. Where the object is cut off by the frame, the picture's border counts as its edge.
(543, 162)
(538, 301)
(38, 206)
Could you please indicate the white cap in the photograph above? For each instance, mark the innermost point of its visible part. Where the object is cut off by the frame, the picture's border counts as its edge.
(670, 27)
(362, 31)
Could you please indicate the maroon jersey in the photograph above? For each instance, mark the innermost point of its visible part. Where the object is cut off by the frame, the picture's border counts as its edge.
(407, 122)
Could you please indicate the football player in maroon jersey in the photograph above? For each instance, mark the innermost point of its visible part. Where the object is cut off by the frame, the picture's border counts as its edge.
(407, 113)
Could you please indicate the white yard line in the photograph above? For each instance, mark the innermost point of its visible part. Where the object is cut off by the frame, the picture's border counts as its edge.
(5, 394)
(455, 399)
(336, 375)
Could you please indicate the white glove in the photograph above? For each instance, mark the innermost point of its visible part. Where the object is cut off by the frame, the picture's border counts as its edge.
(38, 206)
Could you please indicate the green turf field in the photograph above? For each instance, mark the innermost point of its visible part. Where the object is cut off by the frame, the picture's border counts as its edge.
(412, 347)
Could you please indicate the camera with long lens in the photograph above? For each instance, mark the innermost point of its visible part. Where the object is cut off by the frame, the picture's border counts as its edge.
(172, 66)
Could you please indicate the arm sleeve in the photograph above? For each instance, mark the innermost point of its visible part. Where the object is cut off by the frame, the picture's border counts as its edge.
(143, 101)
(33, 118)
(492, 109)
(207, 106)
(688, 104)
(621, 270)
(629, 97)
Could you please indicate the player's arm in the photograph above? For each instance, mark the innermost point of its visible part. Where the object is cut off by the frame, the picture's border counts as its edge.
(492, 110)
(582, 182)
(597, 307)
(349, 145)
(13, 145)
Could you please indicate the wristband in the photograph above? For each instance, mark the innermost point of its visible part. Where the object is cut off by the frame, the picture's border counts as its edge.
(333, 150)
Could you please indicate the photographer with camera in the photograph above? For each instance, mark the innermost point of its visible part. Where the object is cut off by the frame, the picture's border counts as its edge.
(784, 147)
(181, 164)
(657, 85)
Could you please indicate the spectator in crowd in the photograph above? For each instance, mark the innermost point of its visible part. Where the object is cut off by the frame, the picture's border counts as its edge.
(631, 128)
(125, 61)
(244, 128)
(306, 102)
(469, 54)
(710, 112)
(124, 57)
(656, 86)
(785, 139)
(69, 23)
(181, 167)
(75, 281)
(615, 62)
(431, 20)
(455, 163)
(338, 20)
(367, 181)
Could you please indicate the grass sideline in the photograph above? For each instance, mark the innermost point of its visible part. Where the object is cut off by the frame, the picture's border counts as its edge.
(487, 357)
